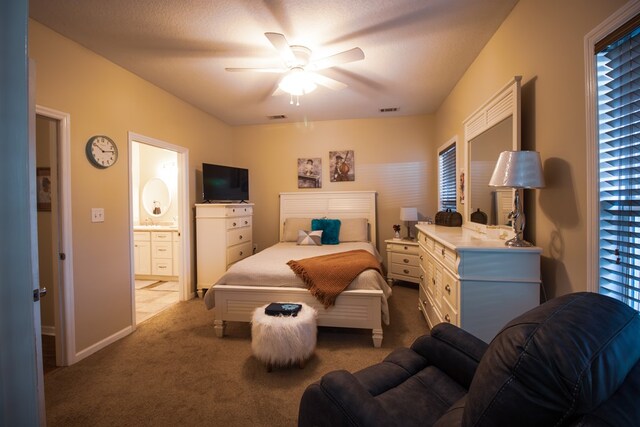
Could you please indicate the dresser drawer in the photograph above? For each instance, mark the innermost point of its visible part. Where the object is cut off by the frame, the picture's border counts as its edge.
(450, 289)
(238, 235)
(161, 250)
(428, 309)
(405, 259)
(237, 222)
(402, 248)
(238, 252)
(448, 314)
(238, 211)
(426, 241)
(161, 267)
(405, 270)
(445, 255)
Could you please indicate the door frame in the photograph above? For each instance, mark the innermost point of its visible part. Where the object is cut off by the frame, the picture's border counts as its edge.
(64, 313)
(184, 215)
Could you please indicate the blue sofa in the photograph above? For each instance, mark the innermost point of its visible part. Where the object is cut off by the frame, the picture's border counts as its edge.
(572, 361)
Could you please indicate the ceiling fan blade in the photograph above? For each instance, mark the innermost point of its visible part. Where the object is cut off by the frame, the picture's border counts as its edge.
(280, 43)
(351, 55)
(327, 82)
(259, 70)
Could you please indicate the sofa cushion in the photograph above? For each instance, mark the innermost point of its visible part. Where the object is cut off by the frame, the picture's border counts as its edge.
(549, 365)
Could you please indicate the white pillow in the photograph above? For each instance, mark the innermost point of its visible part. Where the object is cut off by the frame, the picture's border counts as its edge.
(310, 238)
(354, 230)
(291, 227)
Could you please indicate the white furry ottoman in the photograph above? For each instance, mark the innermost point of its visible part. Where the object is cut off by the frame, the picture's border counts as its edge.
(283, 340)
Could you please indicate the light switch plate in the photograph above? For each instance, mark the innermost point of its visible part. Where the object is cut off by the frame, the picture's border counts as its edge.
(97, 214)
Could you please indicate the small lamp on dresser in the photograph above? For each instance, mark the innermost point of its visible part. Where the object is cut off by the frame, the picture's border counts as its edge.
(408, 215)
(518, 170)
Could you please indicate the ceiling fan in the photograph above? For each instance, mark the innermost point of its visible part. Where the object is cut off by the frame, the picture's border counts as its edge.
(300, 71)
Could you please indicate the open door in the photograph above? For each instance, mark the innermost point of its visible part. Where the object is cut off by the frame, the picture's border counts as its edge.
(22, 392)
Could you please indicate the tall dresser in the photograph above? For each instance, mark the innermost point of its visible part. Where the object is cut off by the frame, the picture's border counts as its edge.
(473, 282)
(223, 237)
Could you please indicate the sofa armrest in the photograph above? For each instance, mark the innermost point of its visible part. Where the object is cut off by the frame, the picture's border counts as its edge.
(339, 399)
(452, 350)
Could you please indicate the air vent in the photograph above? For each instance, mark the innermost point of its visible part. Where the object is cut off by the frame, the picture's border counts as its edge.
(388, 109)
(277, 117)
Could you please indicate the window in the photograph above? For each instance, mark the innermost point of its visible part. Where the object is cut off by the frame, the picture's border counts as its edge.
(617, 61)
(447, 176)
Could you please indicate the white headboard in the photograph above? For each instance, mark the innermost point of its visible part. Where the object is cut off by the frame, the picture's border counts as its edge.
(330, 204)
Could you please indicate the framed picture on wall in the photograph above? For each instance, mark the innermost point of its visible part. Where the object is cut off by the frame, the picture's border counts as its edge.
(310, 172)
(341, 165)
(43, 183)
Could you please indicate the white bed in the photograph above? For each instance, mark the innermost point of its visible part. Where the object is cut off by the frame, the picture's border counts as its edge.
(244, 287)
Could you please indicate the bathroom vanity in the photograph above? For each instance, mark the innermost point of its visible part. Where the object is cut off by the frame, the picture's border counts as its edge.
(155, 252)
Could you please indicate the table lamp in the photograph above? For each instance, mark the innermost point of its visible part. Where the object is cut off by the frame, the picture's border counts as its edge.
(518, 170)
(407, 215)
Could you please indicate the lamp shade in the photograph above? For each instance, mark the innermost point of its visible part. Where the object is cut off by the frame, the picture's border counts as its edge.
(408, 214)
(518, 169)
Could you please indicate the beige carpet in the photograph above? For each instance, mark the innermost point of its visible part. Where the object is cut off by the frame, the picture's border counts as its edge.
(174, 371)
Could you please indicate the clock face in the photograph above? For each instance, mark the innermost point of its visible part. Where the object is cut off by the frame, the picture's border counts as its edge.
(102, 151)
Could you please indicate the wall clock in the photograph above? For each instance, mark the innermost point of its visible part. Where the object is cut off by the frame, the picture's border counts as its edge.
(102, 152)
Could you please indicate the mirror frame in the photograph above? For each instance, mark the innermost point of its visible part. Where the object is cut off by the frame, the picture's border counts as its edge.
(504, 104)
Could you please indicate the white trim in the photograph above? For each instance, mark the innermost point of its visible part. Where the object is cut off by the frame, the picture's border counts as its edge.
(104, 343)
(184, 216)
(610, 24)
(65, 319)
(446, 145)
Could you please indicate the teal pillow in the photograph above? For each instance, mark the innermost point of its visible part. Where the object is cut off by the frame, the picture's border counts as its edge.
(330, 230)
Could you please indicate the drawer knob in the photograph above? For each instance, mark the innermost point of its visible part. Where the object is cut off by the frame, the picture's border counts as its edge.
(447, 318)
(240, 253)
(406, 261)
(443, 252)
(234, 224)
(433, 279)
(405, 271)
(246, 223)
(448, 289)
(406, 248)
(240, 237)
(421, 258)
(421, 277)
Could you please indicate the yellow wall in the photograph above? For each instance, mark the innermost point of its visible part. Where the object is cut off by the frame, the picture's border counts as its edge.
(391, 157)
(543, 42)
(103, 98)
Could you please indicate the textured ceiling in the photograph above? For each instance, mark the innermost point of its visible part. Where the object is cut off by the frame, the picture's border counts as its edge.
(415, 50)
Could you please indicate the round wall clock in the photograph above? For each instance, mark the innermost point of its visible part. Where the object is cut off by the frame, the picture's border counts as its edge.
(102, 152)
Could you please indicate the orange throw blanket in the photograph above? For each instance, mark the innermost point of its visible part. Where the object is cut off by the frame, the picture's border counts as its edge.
(327, 276)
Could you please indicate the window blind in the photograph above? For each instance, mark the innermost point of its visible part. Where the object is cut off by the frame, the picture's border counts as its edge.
(447, 172)
(619, 167)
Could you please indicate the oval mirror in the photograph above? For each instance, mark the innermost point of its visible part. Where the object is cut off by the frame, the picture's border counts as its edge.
(156, 197)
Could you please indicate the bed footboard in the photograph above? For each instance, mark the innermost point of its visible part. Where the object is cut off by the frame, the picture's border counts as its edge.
(353, 309)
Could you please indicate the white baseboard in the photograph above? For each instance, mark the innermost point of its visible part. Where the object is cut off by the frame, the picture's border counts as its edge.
(102, 344)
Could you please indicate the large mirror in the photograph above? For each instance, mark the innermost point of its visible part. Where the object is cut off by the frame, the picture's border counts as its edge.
(492, 129)
(156, 197)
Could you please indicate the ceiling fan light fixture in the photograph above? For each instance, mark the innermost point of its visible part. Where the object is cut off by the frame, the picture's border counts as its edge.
(297, 82)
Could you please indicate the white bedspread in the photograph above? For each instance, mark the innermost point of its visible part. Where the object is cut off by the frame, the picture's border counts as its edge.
(269, 268)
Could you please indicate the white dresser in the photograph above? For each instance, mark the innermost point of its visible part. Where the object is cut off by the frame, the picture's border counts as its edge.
(223, 237)
(473, 282)
(402, 260)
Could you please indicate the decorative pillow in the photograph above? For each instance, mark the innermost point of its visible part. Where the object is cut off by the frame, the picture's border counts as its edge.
(354, 230)
(330, 230)
(310, 238)
(291, 227)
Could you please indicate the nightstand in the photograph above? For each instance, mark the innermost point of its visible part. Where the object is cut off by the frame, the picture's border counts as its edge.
(403, 262)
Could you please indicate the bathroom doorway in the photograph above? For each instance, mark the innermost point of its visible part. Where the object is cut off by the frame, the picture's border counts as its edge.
(159, 218)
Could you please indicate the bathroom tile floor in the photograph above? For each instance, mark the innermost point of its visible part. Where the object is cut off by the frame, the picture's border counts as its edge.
(152, 297)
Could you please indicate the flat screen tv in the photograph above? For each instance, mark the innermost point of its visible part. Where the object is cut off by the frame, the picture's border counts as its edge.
(224, 183)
